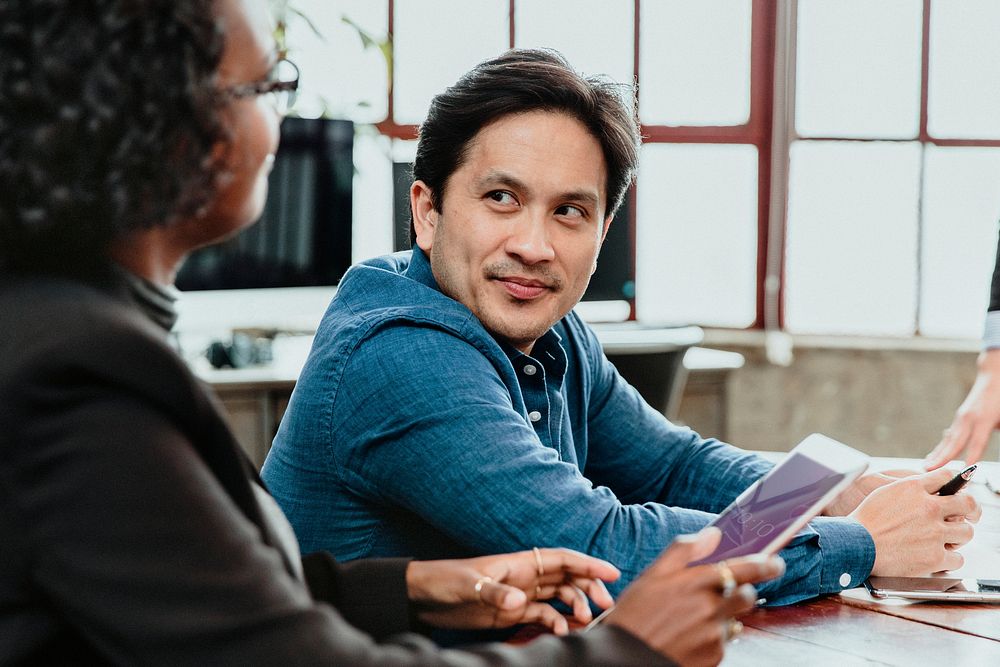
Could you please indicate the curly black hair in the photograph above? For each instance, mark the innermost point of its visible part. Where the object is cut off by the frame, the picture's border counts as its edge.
(109, 112)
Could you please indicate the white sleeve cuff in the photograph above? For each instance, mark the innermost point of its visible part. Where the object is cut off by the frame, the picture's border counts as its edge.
(991, 332)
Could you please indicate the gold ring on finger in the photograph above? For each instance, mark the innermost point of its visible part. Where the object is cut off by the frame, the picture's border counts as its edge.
(538, 561)
(731, 629)
(727, 580)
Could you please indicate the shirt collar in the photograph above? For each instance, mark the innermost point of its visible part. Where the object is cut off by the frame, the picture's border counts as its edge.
(419, 269)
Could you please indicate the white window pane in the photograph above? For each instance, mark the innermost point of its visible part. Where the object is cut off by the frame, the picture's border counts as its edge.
(371, 232)
(436, 44)
(961, 205)
(964, 76)
(696, 251)
(851, 253)
(694, 62)
(594, 35)
(858, 68)
(340, 78)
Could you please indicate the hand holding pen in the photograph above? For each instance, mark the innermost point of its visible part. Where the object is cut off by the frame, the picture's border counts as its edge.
(958, 482)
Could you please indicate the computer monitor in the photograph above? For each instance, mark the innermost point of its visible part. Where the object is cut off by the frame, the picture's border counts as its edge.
(303, 238)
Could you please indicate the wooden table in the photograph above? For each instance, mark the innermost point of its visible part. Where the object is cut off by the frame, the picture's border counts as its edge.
(854, 629)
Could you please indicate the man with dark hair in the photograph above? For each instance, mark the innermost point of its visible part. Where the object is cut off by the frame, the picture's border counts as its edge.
(454, 404)
(521, 81)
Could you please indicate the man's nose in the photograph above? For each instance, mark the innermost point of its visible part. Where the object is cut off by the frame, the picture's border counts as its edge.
(529, 239)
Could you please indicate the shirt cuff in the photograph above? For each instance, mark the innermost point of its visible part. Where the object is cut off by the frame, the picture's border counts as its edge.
(829, 555)
(991, 331)
(847, 550)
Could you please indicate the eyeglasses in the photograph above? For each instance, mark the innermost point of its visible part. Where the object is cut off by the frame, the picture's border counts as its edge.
(281, 86)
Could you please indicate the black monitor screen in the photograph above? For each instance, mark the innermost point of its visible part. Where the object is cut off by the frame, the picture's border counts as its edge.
(304, 235)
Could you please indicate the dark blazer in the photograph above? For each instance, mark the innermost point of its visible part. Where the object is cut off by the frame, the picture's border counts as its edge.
(129, 532)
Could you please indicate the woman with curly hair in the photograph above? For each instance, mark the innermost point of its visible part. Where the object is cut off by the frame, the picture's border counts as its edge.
(133, 528)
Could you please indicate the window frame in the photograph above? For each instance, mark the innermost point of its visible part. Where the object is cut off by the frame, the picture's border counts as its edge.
(770, 128)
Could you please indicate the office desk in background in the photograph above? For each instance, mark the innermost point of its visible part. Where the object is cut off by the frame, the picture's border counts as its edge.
(854, 629)
(660, 362)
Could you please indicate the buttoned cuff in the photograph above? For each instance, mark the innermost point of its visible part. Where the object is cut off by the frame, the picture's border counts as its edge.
(991, 331)
(847, 551)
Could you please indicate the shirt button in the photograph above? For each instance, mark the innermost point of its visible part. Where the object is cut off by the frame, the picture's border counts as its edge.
(530, 370)
(534, 415)
(845, 580)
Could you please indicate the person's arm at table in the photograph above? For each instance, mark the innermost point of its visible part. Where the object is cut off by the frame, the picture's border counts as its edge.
(639, 454)
(917, 532)
(631, 445)
(687, 619)
(976, 418)
(382, 595)
(979, 414)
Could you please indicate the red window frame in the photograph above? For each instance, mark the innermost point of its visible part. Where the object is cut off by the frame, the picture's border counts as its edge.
(757, 131)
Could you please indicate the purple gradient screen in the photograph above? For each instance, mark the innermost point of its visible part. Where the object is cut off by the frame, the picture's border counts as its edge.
(753, 521)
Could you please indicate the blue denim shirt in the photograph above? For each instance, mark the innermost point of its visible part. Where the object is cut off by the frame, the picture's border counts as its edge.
(412, 431)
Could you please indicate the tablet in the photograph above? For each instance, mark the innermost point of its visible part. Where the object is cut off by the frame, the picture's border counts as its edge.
(774, 508)
(941, 589)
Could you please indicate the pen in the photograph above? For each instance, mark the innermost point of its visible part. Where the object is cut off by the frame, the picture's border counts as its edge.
(957, 482)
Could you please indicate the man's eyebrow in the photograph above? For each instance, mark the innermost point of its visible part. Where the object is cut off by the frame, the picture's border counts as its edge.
(581, 196)
(495, 177)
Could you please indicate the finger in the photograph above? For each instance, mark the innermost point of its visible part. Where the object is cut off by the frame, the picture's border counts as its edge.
(596, 591)
(574, 598)
(933, 481)
(745, 570)
(502, 596)
(959, 505)
(743, 600)
(899, 473)
(958, 533)
(949, 447)
(687, 548)
(576, 563)
(952, 560)
(543, 614)
(754, 569)
(976, 444)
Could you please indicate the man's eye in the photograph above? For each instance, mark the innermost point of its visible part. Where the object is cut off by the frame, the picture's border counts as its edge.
(502, 197)
(568, 211)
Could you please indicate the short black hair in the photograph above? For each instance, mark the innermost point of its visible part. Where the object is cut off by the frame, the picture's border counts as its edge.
(109, 113)
(519, 81)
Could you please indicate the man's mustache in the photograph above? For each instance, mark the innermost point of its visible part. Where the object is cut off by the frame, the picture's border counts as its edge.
(499, 270)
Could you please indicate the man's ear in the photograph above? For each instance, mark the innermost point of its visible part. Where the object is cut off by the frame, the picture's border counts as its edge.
(425, 217)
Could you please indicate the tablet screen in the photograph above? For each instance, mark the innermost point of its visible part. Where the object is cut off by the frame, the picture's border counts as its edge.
(771, 505)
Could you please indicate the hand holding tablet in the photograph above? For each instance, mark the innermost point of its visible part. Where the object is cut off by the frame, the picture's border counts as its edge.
(768, 514)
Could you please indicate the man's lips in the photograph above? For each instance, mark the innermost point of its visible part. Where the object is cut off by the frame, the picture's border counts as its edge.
(522, 288)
